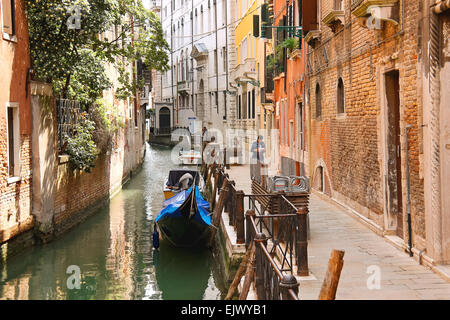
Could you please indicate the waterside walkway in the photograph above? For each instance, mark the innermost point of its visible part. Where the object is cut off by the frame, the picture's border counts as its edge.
(373, 268)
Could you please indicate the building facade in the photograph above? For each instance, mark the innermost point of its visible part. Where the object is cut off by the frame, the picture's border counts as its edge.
(287, 66)
(376, 75)
(434, 80)
(15, 122)
(197, 86)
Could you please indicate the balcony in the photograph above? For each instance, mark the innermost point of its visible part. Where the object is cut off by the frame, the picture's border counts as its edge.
(334, 17)
(184, 86)
(313, 37)
(246, 72)
(441, 6)
(378, 10)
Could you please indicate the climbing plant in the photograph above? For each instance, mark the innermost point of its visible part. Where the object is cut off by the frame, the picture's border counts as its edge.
(81, 147)
(69, 49)
(73, 42)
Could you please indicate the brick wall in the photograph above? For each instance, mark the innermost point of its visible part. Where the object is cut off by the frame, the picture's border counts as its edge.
(79, 193)
(351, 145)
(15, 197)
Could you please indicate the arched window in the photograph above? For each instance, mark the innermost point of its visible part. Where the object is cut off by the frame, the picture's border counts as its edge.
(318, 101)
(340, 96)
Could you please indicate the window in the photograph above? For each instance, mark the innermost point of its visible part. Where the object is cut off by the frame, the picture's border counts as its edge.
(244, 49)
(249, 105)
(239, 107)
(253, 105)
(214, 24)
(201, 19)
(8, 15)
(318, 102)
(13, 134)
(286, 135)
(215, 61)
(225, 105)
(300, 125)
(240, 54)
(339, 5)
(250, 43)
(224, 12)
(281, 108)
(340, 96)
(224, 58)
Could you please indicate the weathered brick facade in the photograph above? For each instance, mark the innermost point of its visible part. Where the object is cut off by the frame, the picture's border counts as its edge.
(352, 147)
(63, 197)
(15, 184)
(40, 195)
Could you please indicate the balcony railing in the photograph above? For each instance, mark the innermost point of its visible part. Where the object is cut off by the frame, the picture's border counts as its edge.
(184, 85)
(246, 70)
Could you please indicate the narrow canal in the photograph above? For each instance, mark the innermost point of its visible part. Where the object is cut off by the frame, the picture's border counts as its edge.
(113, 251)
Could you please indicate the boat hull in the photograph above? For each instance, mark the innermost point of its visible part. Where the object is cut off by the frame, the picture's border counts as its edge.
(184, 232)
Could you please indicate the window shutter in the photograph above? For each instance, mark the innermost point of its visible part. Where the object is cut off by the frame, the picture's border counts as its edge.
(7, 11)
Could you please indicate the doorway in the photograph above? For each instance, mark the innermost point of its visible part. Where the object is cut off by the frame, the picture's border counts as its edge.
(164, 121)
(394, 161)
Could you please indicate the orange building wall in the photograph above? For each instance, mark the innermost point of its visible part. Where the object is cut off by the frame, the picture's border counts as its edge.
(15, 198)
(293, 93)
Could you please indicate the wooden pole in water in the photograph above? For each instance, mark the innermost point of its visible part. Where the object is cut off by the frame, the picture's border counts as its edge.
(249, 274)
(331, 281)
(240, 228)
(216, 182)
(302, 243)
(218, 212)
(240, 272)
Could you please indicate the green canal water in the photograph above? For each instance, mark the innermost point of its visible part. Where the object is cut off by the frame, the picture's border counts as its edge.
(113, 251)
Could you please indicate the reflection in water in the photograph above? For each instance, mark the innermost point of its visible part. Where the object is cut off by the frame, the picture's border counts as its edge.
(113, 250)
(180, 268)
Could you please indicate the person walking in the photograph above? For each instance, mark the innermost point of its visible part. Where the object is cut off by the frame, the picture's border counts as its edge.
(258, 151)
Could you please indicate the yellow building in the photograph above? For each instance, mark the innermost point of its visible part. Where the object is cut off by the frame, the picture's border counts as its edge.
(248, 74)
(254, 113)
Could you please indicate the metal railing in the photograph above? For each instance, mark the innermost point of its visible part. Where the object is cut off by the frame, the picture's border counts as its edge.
(277, 228)
(68, 116)
(271, 281)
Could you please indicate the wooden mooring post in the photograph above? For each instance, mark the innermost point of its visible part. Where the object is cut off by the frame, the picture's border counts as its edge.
(240, 228)
(302, 242)
(249, 274)
(331, 281)
(217, 213)
(239, 274)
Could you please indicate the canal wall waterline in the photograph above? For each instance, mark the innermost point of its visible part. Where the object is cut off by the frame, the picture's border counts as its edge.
(62, 197)
(32, 236)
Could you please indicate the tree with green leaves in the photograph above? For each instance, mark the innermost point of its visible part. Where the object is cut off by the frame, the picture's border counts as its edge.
(68, 51)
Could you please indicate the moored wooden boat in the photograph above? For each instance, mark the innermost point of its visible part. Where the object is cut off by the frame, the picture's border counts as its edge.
(185, 219)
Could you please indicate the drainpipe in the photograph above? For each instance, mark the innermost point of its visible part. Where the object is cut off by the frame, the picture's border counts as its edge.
(408, 191)
(226, 57)
(217, 58)
(192, 60)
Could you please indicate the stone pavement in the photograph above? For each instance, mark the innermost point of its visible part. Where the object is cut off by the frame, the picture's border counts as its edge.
(366, 256)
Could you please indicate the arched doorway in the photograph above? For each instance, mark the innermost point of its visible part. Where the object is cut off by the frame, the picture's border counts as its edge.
(164, 120)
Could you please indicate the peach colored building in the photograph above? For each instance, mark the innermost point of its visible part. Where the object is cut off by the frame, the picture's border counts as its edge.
(15, 124)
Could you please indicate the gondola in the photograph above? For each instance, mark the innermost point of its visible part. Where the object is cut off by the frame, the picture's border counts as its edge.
(185, 219)
(172, 182)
